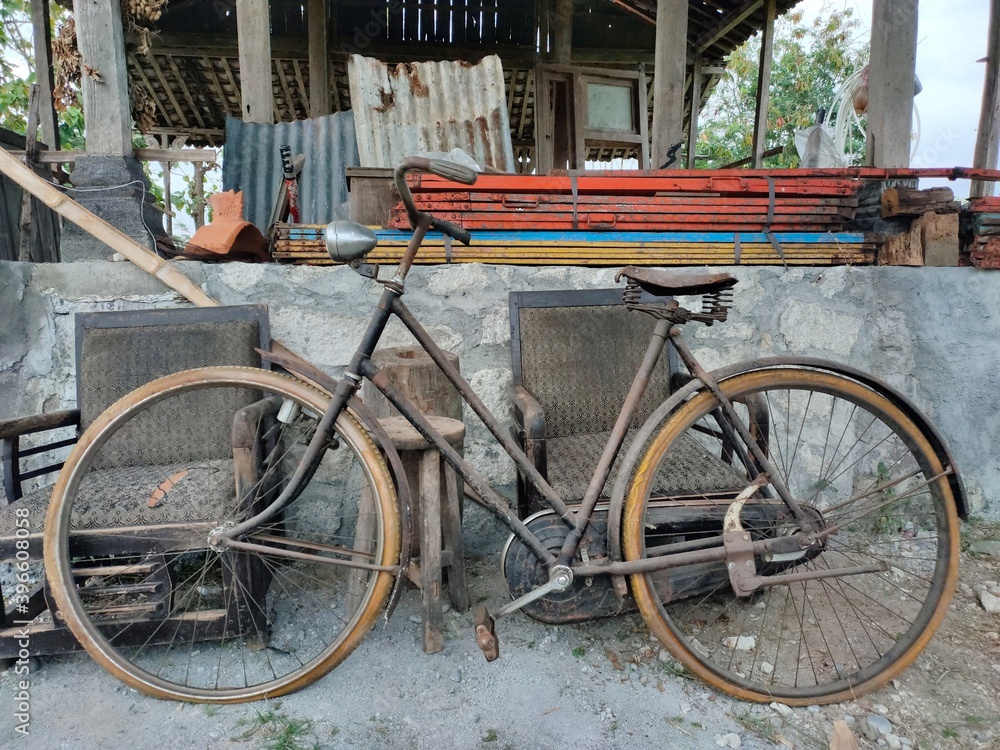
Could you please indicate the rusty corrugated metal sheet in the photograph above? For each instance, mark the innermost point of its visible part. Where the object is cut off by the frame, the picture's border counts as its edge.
(404, 109)
(252, 163)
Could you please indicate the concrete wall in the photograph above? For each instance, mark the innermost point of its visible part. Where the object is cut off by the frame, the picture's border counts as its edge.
(933, 333)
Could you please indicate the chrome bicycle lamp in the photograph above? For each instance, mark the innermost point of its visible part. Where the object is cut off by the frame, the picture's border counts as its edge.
(346, 241)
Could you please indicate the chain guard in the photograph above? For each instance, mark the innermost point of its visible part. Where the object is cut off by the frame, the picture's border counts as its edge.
(587, 598)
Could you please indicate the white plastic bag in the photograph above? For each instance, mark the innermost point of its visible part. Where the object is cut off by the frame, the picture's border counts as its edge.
(816, 148)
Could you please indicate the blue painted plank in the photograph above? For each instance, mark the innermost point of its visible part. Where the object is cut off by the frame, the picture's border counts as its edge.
(486, 237)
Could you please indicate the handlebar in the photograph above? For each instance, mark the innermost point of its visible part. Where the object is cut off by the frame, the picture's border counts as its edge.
(446, 169)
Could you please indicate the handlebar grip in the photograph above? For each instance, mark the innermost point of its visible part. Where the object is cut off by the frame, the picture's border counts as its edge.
(449, 170)
(455, 232)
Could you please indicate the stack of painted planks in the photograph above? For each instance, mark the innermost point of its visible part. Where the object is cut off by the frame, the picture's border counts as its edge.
(673, 200)
(300, 243)
(655, 218)
(984, 226)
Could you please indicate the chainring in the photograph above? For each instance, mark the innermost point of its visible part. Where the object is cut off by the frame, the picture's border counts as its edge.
(586, 598)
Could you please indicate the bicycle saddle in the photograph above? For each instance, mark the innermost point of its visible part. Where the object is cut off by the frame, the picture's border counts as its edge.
(663, 283)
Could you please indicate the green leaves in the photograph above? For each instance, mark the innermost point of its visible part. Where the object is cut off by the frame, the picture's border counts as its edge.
(17, 72)
(810, 63)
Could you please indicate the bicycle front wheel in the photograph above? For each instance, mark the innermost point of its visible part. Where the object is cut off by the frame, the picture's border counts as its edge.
(136, 580)
(873, 487)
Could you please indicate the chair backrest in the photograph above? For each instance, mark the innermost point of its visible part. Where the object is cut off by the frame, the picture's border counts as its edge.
(577, 353)
(116, 352)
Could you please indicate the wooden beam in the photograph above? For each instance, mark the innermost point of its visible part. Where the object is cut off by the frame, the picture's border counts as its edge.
(41, 32)
(193, 155)
(562, 25)
(727, 24)
(988, 138)
(319, 59)
(763, 85)
(891, 79)
(253, 27)
(104, 79)
(670, 55)
(695, 111)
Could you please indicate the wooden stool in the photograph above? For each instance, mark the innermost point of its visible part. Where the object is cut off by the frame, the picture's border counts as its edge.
(438, 499)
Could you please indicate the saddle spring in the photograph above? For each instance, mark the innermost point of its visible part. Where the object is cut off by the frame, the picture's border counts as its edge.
(715, 306)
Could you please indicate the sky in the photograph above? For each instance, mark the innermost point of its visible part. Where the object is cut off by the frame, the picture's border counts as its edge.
(951, 37)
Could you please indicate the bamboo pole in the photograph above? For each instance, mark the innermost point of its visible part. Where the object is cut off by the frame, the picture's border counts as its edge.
(96, 226)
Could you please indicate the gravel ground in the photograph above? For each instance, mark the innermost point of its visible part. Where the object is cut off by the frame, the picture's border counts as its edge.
(596, 685)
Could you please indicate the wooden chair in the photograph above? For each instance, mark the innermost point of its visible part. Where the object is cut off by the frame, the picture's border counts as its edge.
(116, 352)
(574, 354)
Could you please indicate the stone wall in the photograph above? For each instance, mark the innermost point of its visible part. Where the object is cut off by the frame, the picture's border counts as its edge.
(933, 333)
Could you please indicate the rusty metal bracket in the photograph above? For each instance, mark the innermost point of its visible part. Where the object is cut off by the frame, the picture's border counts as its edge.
(739, 548)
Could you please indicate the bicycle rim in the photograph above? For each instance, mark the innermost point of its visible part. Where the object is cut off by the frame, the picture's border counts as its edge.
(880, 496)
(126, 543)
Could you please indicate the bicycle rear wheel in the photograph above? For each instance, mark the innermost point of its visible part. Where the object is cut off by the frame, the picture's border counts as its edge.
(861, 468)
(126, 540)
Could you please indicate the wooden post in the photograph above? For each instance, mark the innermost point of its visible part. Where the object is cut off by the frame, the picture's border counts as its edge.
(30, 152)
(891, 78)
(695, 111)
(42, 37)
(253, 26)
(562, 25)
(104, 82)
(319, 59)
(168, 199)
(670, 61)
(763, 86)
(988, 139)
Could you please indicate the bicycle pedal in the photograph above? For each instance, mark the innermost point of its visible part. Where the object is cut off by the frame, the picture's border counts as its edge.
(486, 634)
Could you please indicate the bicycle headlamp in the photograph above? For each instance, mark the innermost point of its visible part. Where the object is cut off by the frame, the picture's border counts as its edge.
(346, 241)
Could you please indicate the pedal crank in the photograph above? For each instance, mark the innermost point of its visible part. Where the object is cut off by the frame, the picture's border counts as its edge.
(560, 579)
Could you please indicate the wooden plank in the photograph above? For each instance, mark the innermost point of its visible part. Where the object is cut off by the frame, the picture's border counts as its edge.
(988, 137)
(283, 82)
(300, 85)
(157, 98)
(939, 239)
(319, 59)
(155, 63)
(182, 81)
(902, 201)
(254, 31)
(763, 85)
(670, 56)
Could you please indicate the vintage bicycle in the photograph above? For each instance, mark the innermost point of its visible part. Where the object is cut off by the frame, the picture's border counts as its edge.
(787, 527)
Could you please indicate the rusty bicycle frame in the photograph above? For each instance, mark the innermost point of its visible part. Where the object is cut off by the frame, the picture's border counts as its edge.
(731, 545)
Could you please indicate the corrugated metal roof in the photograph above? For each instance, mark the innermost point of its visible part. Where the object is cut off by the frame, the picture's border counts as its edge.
(404, 109)
(252, 163)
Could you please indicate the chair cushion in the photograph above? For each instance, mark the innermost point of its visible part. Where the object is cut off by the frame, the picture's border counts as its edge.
(122, 496)
(691, 470)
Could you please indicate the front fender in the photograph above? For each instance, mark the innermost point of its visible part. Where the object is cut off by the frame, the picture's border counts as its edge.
(663, 412)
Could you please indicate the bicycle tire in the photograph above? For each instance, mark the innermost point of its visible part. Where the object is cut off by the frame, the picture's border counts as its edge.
(126, 545)
(872, 478)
